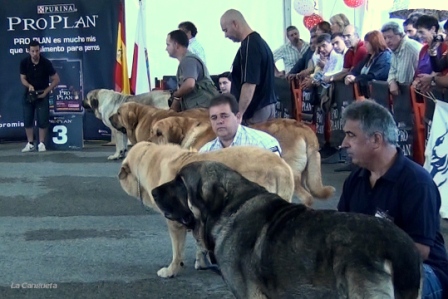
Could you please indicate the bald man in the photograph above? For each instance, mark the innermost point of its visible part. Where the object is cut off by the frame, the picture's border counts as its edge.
(252, 70)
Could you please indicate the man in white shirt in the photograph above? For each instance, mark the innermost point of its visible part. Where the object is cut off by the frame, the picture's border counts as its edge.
(194, 46)
(290, 52)
(226, 123)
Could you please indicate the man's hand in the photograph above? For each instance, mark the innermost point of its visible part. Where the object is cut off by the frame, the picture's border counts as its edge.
(280, 74)
(306, 83)
(393, 88)
(43, 95)
(424, 82)
(30, 87)
(349, 79)
(176, 105)
(291, 77)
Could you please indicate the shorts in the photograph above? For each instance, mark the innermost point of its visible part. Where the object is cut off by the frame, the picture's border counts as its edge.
(40, 108)
(264, 114)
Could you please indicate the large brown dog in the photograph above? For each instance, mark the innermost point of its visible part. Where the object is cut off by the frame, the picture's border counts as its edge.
(299, 144)
(105, 102)
(136, 120)
(149, 165)
(269, 248)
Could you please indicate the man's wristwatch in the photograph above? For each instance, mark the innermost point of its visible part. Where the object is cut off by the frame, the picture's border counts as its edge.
(433, 81)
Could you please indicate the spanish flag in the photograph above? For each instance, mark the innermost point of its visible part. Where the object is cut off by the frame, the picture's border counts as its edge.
(121, 66)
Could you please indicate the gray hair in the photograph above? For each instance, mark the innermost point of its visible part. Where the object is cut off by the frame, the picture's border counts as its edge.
(373, 118)
(394, 26)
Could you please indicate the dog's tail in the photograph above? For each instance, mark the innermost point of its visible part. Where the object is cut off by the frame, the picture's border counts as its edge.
(313, 175)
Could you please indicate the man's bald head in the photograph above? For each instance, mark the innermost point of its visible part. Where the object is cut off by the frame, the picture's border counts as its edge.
(234, 25)
(351, 36)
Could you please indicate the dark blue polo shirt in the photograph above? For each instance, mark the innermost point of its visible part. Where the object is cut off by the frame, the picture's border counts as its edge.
(254, 64)
(39, 74)
(410, 198)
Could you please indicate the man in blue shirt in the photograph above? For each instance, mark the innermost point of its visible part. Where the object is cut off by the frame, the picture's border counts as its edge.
(226, 123)
(391, 186)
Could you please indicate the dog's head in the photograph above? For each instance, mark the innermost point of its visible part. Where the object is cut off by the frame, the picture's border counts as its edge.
(92, 101)
(206, 190)
(126, 117)
(171, 129)
(129, 176)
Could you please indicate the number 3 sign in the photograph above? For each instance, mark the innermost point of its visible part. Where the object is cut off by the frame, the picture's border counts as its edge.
(66, 131)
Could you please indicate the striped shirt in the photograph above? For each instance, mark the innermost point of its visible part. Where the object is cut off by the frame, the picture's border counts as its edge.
(246, 136)
(195, 47)
(290, 54)
(404, 61)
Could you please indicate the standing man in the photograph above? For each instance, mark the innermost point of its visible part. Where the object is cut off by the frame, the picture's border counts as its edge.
(389, 185)
(405, 53)
(193, 45)
(195, 87)
(252, 70)
(35, 73)
(290, 52)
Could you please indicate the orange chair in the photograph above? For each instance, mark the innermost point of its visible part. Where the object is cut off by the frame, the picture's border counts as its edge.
(297, 94)
(358, 95)
(418, 106)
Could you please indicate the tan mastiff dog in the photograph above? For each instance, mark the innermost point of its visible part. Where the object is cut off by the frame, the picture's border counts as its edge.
(136, 120)
(299, 144)
(105, 102)
(149, 165)
(188, 132)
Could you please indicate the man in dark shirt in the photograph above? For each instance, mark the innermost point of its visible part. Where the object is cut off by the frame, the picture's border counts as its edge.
(252, 70)
(391, 186)
(35, 72)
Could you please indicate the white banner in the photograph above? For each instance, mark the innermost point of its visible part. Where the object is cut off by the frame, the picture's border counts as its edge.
(436, 153)
(140, 78)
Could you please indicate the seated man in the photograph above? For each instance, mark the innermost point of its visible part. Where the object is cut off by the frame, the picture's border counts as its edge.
(404, 61)
(225, 82)
(304, 66)
(290, 52)
(391, 186)
(226, 123)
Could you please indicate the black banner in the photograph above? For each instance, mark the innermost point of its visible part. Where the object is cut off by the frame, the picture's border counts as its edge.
(78, 36)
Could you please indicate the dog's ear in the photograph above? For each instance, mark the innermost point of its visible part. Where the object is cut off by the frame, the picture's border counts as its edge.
(124, 171)
(132, 120)
(94, 103)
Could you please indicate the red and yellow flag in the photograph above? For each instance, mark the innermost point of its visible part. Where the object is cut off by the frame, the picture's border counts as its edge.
(121, 66)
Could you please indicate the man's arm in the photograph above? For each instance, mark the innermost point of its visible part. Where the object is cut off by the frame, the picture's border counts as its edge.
(441, 81)
(54, 82)
(185, 88)
(247, 93)
(341, 75)
(423, 250)
(26, 83)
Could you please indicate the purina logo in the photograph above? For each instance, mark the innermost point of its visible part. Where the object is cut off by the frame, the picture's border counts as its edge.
(56, 8)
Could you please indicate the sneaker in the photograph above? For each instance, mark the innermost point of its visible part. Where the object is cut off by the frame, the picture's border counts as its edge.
(28, 148)
(41, 147)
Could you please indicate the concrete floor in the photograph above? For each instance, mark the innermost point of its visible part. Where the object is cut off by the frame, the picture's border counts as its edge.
(65, 220)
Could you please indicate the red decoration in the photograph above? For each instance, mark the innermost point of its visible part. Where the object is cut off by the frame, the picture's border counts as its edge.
(353, 3)
(312, 20)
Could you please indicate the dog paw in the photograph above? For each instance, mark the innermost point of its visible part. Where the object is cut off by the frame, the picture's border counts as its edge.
(114, 157)
(122, 154)
(168, 272)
